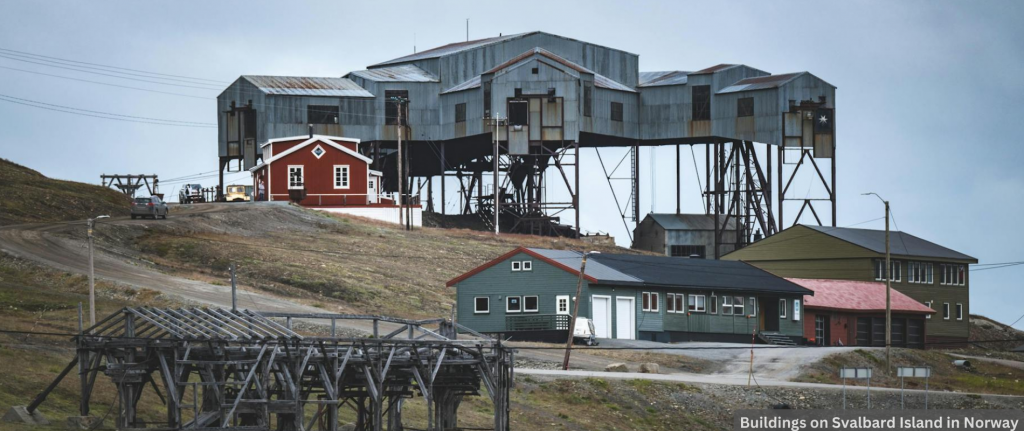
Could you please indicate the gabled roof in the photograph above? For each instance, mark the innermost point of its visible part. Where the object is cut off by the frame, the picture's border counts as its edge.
(856, 296)
(673, 221)
(302, 137)
(599, 80)
(307, 86)
(400, 73)
(656, 271)
(658, 79)
(471, 83)
(900, 243)
(715, 68)
(316, 138)
(764, 82)
(517, 250)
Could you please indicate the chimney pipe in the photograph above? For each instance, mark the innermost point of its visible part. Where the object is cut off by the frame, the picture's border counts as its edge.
(310, 131)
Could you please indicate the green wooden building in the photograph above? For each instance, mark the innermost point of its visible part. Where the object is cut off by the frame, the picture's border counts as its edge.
(927, 272)
(528, 293)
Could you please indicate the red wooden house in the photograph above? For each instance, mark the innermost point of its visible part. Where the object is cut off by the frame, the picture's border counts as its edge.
(852, 313)
(317, 171)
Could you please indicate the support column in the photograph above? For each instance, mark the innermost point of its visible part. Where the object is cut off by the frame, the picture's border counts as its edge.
(576, 194)
(636, 184)
(679, 190)
(444, 168)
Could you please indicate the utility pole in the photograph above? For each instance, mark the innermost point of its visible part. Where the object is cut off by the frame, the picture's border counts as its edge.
(234, 290)
(401, 173)
(497, 201)
(887, 273)
(90, 223)
(575, 311)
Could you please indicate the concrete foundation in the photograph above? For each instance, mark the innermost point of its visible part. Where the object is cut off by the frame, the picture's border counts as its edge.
(20, 414)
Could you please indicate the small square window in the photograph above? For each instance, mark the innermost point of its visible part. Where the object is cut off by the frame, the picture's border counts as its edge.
(616, 111)
(530, 304)
(527, 265)
(482, 305)
(517, 265)
(319, 151)
(737, 306)
(562, 304)
(513, 304)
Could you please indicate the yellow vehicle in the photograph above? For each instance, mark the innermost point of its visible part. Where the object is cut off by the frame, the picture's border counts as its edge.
(237, 193)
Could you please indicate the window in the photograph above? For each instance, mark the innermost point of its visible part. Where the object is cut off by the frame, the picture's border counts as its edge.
(517, 265)
(562, 304)
(745, 107)
(919, 272)
(753, 306)
(487, 100)
(535, 70)
(482, 305)
(737, 306)
(295, 178)
(341, 176)
(616, 111)
(670, 303)
(649, 301)
(796, 309)
(701, 95)
(588, 99)
(692, 251)
(654, 302)
(513, 304)
(518, 112)
(530, 304)
(392, 106)
(945, 310)
(322, 114)
(460, 113)
(714, 304)
(696, 303)
(679, 302)
(782, 309)
(527, 265)
(895, 267)
(726, 305)
(929, 304)
(959, 311)
(953, 274)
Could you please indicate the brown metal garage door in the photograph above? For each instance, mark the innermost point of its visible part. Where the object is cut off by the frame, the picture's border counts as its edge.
(915, 333)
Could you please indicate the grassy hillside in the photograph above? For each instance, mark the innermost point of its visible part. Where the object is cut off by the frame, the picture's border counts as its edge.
(28, 196)
(339, 263)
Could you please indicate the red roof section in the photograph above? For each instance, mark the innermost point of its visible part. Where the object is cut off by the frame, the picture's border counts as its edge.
(520, 249)
(856, 296)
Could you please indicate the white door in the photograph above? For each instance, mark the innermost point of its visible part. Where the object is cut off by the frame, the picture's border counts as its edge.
(602, 317)
(625, 318)
(371, 190)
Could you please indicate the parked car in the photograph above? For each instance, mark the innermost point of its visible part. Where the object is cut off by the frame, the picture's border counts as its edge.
(584, 332)
(191, 193)
(237, 193)
(149, 207)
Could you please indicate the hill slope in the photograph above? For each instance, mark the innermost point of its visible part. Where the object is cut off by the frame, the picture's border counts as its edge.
(28, 196)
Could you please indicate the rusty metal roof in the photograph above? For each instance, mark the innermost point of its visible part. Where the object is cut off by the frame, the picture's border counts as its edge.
(657, 79)
(473, 82)
(307, 86)
(761, 82)
(713, 69)
(400, 73)
(599, 80)
(857, 296)
(450, 49)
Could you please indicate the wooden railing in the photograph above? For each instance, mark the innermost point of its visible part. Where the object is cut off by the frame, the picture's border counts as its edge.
(537, 322)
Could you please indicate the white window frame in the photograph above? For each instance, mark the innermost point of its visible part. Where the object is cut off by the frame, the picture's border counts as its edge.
(646, 307)
(477, 310)
(558, 304)
(796, 310)
(699, 305)
(959, 311)
(714, 304)
(322, 151)
(783, 309)
(680, 300)
(520, 310)
(929, 304)
(342, 181)
(896, 270)
(655, 302)
(670, 303)
(302, 176)
(527, 265)
(929, 273)
(536, 303)
(517, 266)
(879, 271)
(945, 311)
(753, 306)
(727, 302)
(741, 304)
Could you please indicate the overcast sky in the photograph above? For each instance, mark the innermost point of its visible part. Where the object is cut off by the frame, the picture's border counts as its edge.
(930, 99)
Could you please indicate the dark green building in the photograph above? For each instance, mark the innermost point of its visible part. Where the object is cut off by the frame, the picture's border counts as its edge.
(927, 272)
(528, 293)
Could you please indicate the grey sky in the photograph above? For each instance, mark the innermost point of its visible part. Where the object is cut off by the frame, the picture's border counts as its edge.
(929, 102)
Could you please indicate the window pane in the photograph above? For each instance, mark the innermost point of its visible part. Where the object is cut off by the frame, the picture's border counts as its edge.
(460, 113)
(646, 299)
(670, 302)
(679, 302)
(588, 97)
(482, 305)
(322, 114)
(530, 303)
(514, 303)
(518, 112)
(654, 302)
(745, 107)
(616, 111)
(701, 95)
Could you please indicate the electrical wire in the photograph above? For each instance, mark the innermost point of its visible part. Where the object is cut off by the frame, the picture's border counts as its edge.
(105, 83)
(29, 54)
(101, 116)
(108, 113)
(211, 88)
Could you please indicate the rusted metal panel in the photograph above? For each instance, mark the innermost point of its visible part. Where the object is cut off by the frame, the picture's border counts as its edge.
(400, 73)
(307, 86)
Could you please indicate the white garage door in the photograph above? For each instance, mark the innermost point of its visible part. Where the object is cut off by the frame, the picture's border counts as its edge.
(602, 317)
(625, 318)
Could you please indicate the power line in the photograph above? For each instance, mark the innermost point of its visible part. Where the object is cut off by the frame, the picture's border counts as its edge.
(154, 75)
(108, 74)
(104, 117)
(104, 83)
(23, 53)
(108, 113)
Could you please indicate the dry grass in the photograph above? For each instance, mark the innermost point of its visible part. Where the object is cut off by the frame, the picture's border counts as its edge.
(28, 196)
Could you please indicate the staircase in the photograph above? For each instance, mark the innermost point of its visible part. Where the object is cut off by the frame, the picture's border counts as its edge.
(774, 338)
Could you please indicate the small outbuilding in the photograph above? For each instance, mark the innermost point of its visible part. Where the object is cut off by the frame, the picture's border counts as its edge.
(852, 313)
(684, 235)
(529, 294)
